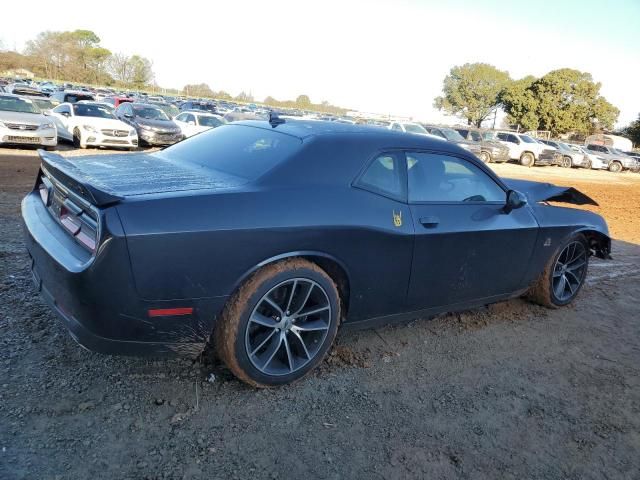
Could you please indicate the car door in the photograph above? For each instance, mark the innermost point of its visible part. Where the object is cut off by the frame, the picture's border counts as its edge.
(180, 121)
(466, 248)
(512, 142)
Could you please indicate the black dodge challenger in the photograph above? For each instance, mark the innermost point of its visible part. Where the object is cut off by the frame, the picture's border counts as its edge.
(264, 237)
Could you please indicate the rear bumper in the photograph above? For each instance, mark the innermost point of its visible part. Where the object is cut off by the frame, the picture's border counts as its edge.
(96, 299)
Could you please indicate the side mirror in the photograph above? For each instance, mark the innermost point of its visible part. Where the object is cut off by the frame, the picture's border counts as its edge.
(128, 115)
(66, 114)
(191, 122)
(514, 201)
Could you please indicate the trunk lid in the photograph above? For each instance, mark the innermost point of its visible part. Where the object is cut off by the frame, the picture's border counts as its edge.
(107, 179)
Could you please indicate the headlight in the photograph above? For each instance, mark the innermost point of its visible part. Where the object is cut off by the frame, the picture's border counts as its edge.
(132, 132)
(145, 127)
(1, 124)
(89, 128)
(466, 146)
(46, 125)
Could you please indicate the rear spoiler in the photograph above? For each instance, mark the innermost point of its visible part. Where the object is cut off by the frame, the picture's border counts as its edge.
(66, 173)
(547, 192)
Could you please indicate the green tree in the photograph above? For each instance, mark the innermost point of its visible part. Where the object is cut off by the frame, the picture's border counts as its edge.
(472, 91)
(141, 71)
(561, 101)
(520, 104)
(303, 101)
(244, 97)
(633, 131)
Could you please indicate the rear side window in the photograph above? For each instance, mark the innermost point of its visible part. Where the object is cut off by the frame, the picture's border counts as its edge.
(383, 176)
(443, 178)
(238, 150)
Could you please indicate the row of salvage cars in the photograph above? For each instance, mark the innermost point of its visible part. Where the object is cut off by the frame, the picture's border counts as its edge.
(503, 146)
(85, 123)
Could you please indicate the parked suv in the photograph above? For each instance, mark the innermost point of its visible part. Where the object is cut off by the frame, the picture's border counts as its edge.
(490, 151)
(154, 127)
(451, 135)
(523, 148)
(21, 122)
(618, 161)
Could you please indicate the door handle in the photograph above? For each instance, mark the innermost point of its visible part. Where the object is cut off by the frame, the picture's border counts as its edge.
(429, 222)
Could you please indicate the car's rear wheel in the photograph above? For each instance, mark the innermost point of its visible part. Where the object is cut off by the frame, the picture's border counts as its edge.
(615, 167)
(280, 324)
(485, 156)
(567, 162)
(588, 164)
(527, 159)
(564, 275)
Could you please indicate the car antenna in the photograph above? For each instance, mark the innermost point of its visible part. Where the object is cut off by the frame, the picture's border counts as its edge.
(275, 120)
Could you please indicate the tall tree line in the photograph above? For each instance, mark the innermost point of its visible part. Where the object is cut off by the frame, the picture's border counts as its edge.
(78, 56)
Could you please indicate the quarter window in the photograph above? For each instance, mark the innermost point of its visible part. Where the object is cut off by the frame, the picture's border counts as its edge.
(383, 176)
(443, 178)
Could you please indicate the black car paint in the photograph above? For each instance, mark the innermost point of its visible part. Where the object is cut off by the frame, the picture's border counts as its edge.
(168, 243)
(166, 132)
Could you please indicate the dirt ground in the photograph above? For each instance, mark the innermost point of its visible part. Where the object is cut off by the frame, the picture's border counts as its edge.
(510, 391)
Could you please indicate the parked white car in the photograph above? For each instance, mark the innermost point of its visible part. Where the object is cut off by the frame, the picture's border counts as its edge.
(594, 161)
(411, 127)
(22, 123)
(193, 122)
(524, 149)
(92, 124)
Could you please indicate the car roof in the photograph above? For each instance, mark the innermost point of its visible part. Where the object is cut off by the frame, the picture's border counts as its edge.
(304, 129)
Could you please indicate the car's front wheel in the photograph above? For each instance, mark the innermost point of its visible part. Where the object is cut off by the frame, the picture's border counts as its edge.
(77, 139)
(567, 162)
(485, 156)
(615, 167)
(564, 275)
(280, 324)
(527, 159)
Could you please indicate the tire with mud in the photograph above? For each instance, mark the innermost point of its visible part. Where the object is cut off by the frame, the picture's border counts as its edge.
(485, 156)
(564, 274)
(527, 159)
(280, 324)
(615, 167)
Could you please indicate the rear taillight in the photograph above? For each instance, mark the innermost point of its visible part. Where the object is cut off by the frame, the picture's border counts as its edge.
(79, 224)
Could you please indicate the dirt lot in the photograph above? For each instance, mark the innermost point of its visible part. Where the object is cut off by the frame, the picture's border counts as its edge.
(510, 391)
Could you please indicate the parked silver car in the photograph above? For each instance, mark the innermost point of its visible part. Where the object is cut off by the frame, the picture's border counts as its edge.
(22, 123)
(570, 157)
(618, 161)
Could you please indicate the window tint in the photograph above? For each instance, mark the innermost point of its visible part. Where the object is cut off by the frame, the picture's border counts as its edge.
(62, 109)
(237, 150)
(442, 178)
(383, 176)
(396, 126)
(475, 136)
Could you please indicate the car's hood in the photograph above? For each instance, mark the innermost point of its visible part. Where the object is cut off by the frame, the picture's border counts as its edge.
(106, 123)
(107, 179)
(159, 124)
(544, 192)
(21, 117)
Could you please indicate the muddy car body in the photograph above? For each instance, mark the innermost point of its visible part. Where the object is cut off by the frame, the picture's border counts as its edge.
(292, 227)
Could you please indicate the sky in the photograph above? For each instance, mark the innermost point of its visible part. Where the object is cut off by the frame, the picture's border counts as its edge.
(386, 57)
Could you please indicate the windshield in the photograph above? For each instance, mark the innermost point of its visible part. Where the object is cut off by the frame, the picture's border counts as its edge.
(452, 135)
(210, 121)
(170, 110)
(43, 104)
(91, 110)
(150, 113)
(16, 104)
(527, 139)
(236, 150)
(414, 128)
